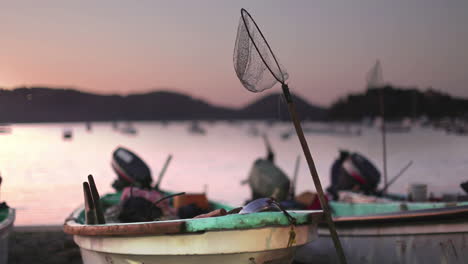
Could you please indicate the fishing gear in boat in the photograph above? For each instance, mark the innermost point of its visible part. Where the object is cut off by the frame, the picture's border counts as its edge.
(142, 208)
(258, 69)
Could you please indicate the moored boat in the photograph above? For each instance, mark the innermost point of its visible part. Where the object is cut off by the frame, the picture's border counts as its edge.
(147, 225)
(394, 232)
(262, 237)
(7, 217)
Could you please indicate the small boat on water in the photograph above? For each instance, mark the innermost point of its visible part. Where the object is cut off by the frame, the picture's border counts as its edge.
(196, 128)
(251, 234)
(394, 232)
(263, 237)
(67, 134)
(7, 218)
(5, 129)
(128, 129)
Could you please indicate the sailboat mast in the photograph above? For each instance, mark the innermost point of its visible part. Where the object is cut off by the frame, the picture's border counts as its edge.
(375, 80)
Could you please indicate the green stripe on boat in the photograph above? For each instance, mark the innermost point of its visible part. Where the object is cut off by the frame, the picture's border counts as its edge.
(245, 221)
(3, 214)
(340, 209)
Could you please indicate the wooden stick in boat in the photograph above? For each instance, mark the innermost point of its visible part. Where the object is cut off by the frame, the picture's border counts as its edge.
(292, 189)
(314, 174)
(270, 153)
(96, 199)
(90, 213)
(384, 189)
(163, 171)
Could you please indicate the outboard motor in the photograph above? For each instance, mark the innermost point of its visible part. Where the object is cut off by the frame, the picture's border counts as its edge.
(352, 171)
(267, 180)
(130, 169)
(464, 186)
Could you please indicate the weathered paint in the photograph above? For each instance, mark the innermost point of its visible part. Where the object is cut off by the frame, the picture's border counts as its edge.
(255, 220)
(341, 209)
(8, 217)
(207, 243)
(412, 242)
(259, 237)
(283, 256)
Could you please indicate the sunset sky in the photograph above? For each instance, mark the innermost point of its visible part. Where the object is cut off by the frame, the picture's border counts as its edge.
(123, 47)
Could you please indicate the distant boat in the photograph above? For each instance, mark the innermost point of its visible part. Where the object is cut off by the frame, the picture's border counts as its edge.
(88, 126)
(394, 127)
(67, 134)
(128, 129)
(253, 131)
(5, 129)
(115, 125)
(334, 129)
(195, 128)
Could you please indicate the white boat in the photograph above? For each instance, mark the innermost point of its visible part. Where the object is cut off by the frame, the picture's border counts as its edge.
(264, 237)
(7, 217)
(395, 232)
(195, 128)
(128, 129)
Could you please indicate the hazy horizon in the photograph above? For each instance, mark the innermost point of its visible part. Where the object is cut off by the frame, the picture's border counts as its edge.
(118, 47)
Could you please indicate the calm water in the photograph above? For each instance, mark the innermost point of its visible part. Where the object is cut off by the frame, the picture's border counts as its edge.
(43, 173)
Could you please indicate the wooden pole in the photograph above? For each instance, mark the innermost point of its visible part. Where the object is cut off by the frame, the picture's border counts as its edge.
(96, 200)
(90, 213)
(384, 139)
(314, 174)
(163, 171)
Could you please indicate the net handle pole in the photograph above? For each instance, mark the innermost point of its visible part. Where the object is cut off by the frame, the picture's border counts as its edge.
(313, 173)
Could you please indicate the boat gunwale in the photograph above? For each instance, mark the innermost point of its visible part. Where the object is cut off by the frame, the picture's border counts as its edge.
(170, 227)
(434, 214)
(7, 223)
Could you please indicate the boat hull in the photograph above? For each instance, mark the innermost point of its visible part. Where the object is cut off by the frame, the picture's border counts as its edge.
(260, 245)
(283, 256)
(427, 237)
(5, 229)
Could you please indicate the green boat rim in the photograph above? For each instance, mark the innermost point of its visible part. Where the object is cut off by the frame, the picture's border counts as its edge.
(75, 224)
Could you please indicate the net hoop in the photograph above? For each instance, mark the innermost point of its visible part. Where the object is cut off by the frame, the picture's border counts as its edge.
(243, 11)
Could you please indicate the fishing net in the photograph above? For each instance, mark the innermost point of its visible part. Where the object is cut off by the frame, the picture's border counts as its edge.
(375, 76)
(254, 62)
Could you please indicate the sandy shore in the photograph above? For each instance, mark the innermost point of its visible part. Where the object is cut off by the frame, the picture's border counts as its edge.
(41, 245)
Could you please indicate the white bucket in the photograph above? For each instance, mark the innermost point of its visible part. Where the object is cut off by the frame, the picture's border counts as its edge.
(418, 192)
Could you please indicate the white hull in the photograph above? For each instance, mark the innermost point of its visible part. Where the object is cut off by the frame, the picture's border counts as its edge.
(412, 243)
(284, 256)
(253, 246)
(5, 229)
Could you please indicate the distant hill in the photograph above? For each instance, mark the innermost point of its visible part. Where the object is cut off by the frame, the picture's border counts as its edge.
(42, 104)
(398, 103)
(274, 107)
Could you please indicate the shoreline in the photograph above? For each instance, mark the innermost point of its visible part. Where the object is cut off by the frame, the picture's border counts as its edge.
(46, 244)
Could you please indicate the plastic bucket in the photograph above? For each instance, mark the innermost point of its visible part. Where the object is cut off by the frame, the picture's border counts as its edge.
(418, 192)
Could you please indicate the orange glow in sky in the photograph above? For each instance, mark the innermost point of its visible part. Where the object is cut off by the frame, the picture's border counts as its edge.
(126, 47)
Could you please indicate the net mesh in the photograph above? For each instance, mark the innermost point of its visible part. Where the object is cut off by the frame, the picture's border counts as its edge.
(375, 76)
(254, 62)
